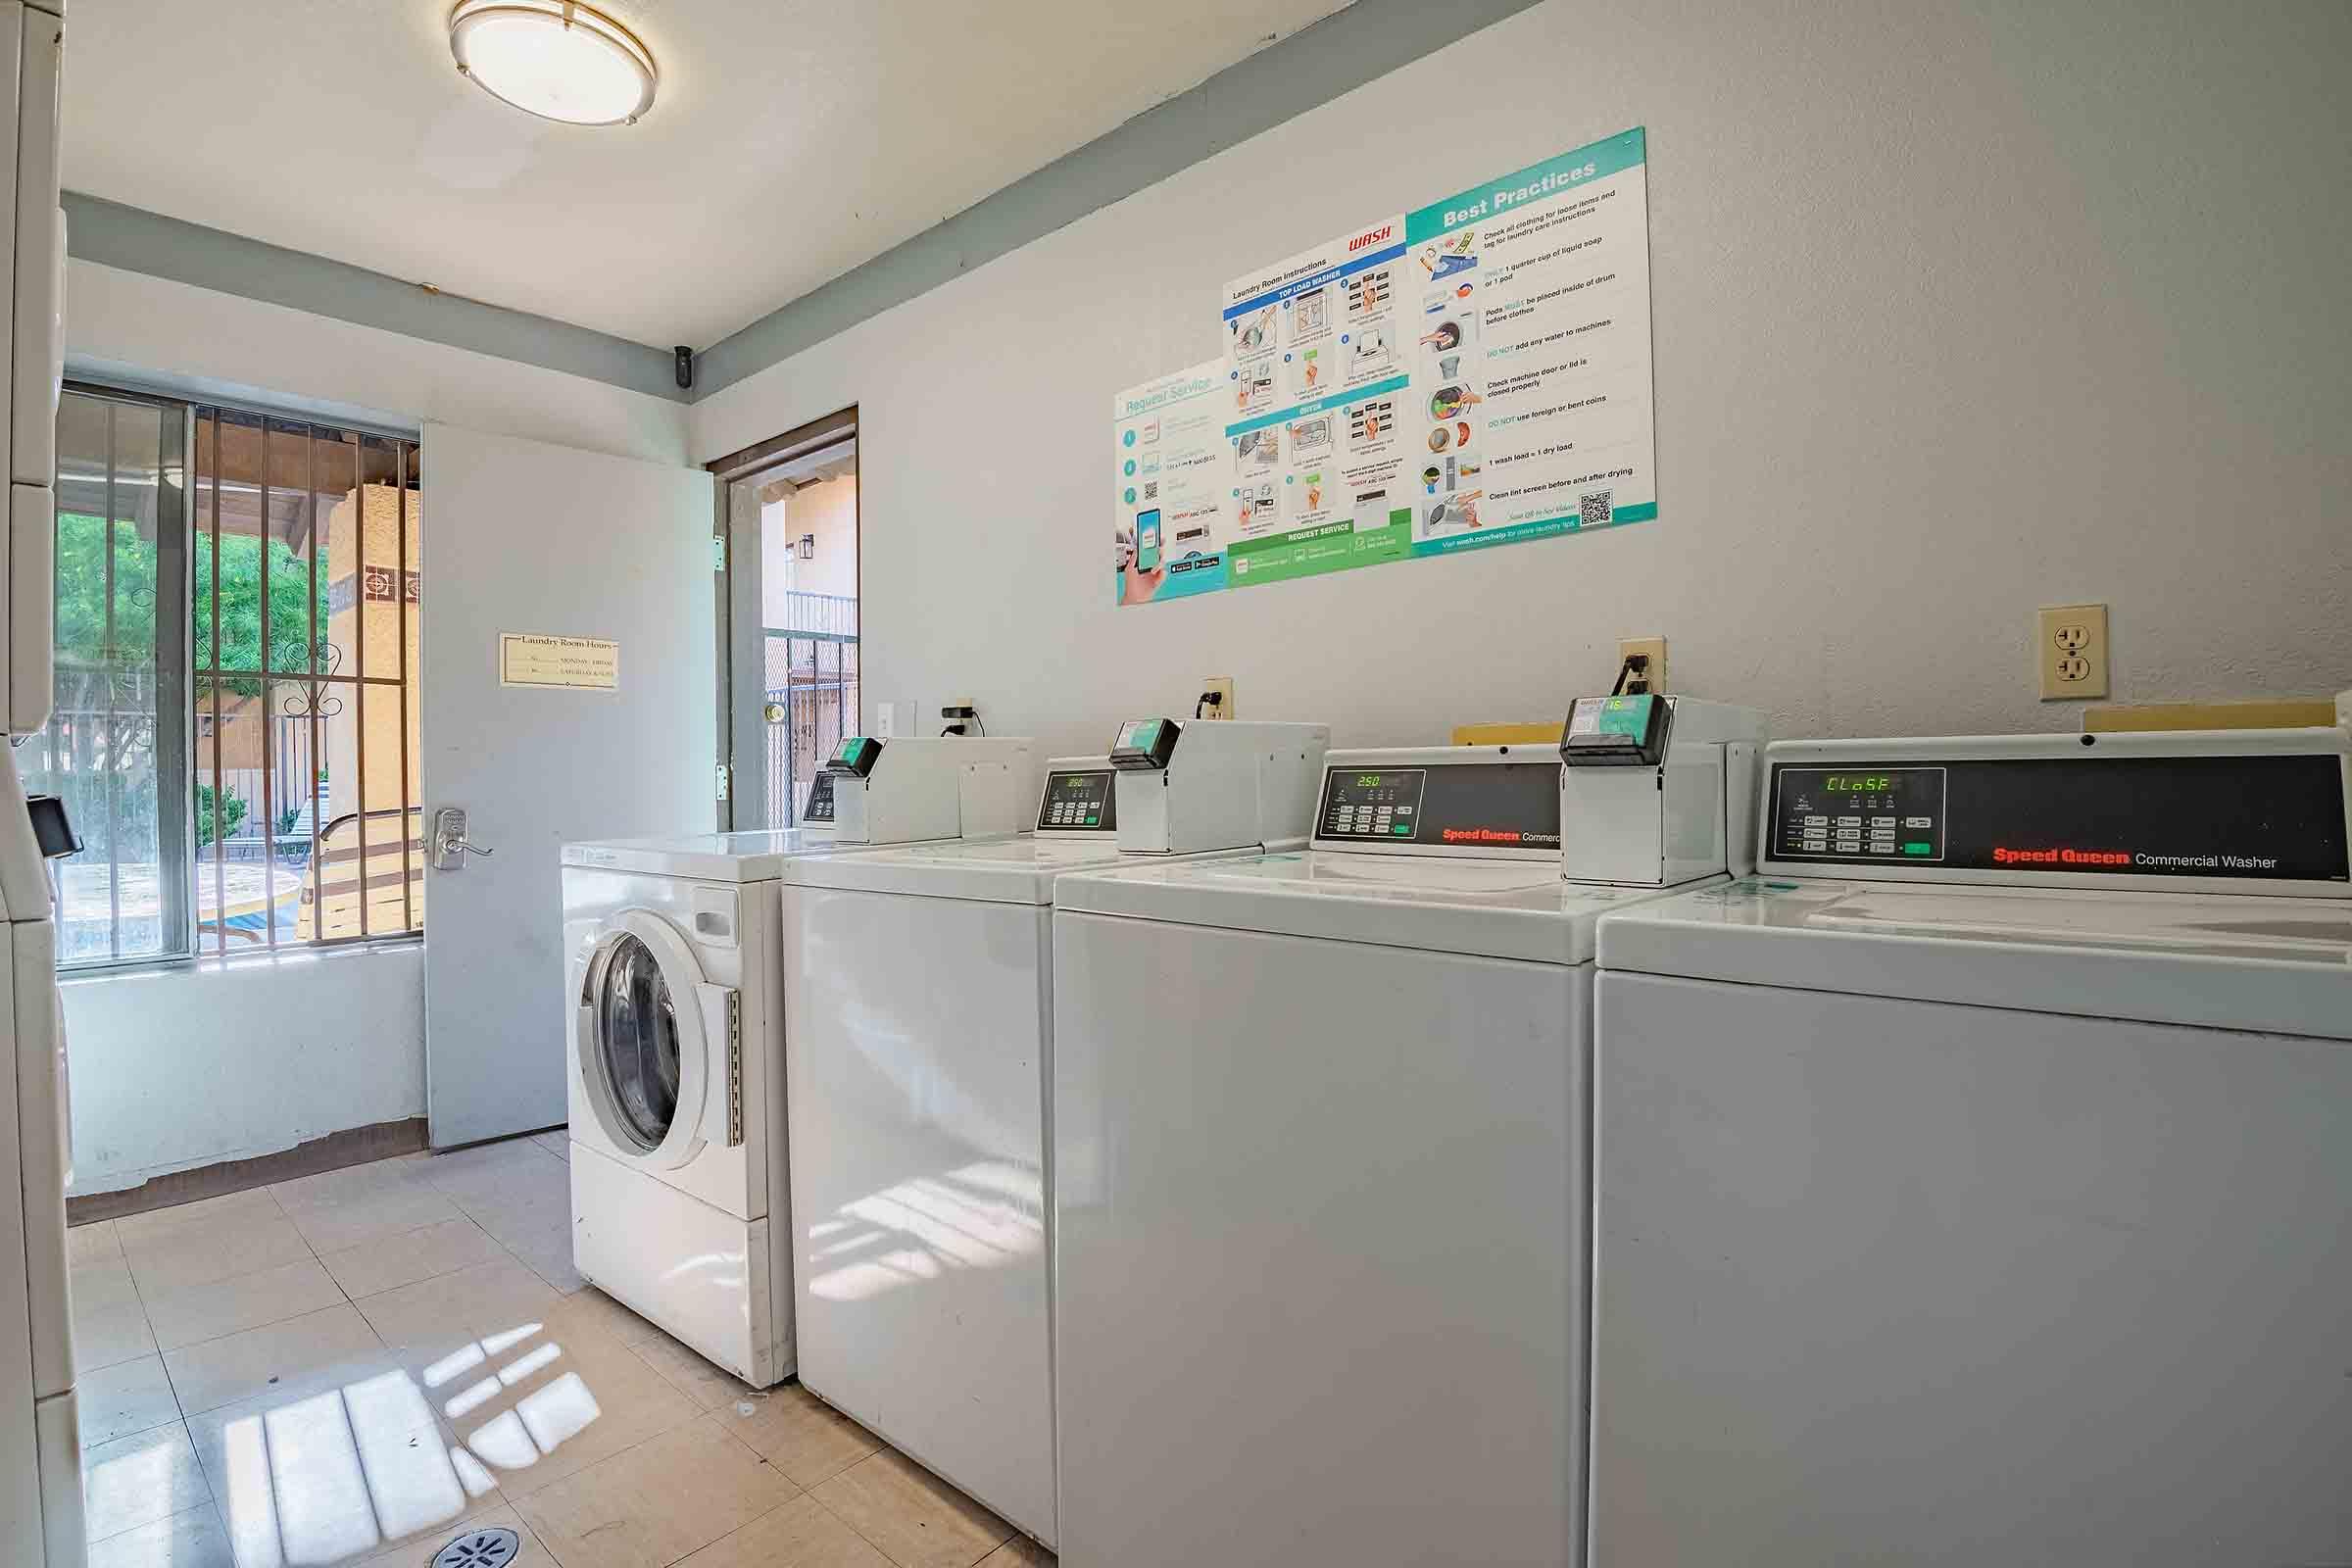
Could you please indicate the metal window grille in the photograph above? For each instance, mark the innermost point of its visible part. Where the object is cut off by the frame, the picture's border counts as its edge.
(308, 825)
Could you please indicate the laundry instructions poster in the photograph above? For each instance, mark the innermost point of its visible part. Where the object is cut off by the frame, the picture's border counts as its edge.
(1471, 372)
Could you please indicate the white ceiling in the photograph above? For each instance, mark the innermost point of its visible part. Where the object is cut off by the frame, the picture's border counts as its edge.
(792, 139)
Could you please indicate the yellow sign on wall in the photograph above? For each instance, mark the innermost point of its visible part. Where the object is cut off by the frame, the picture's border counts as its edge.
(557, 663)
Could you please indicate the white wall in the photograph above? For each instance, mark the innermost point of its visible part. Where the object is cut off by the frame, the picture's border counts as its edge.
(188, 1067)
(827, 511)
(1959, 310)
(179, 1068)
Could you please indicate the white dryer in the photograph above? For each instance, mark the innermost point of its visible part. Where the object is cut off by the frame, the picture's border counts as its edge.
(919, 981)
(679, 1183)
(1320, 1167)
(1975, 1186)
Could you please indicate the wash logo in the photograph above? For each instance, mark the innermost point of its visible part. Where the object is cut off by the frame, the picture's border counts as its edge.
(1372, 236)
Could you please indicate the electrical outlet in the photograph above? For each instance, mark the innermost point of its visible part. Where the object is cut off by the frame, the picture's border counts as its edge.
(1655, 649)
(1221, 687)
(2070, 649)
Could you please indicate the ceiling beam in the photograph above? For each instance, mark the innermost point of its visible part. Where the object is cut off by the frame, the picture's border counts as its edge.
(136, 240)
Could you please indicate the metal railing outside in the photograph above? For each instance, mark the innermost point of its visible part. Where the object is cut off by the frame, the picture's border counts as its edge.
(811, 678)
(809, 614)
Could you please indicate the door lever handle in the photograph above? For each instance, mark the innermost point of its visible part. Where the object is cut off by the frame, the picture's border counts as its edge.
(450, 845)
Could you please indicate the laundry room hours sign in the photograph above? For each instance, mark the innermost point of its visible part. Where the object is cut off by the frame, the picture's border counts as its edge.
(1473, 372)
(557, 663)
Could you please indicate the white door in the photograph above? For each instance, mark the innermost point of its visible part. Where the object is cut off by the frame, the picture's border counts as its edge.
(522, 537)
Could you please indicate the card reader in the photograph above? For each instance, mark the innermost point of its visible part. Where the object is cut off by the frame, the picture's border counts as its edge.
(1657, 790)
(1144, 744)
(856, 754)
(1617, 731)
(1185, 786)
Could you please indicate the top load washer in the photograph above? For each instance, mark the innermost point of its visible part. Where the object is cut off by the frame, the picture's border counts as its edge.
(1320, 1169)
(1975, 1184)
(919, 984)
(675, 1068)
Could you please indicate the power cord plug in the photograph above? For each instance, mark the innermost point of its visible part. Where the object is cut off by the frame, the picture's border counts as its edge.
(1633, 676)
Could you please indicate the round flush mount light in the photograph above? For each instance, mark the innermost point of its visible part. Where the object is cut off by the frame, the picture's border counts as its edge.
(554, 58)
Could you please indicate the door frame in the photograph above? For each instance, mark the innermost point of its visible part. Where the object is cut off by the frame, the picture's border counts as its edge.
(738, 583)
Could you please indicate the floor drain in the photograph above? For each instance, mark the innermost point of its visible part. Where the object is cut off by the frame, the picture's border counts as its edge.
(479, 1548)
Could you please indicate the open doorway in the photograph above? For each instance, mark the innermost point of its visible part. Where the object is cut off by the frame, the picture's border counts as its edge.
(789, 615)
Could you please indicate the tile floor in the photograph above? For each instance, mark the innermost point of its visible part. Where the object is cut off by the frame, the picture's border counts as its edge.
(352, 1367)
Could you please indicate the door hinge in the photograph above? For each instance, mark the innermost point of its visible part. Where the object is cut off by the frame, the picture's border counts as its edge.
(725, 781)
(734, 1069)
(718, 551)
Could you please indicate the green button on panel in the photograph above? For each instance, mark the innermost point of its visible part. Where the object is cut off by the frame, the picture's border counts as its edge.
(1918, 849)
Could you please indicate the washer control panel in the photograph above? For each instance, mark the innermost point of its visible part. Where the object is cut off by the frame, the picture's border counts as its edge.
(1078, 801)
(2182, 808)
(1381, 803)
(1481, 806)
(1860, 814)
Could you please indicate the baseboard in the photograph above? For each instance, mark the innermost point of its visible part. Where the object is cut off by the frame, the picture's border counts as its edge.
(353, 1146)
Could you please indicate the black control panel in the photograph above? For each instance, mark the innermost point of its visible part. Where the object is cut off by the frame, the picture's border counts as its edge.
(1078, 801)
(1505, 805)
(1145, 744)
(1858, 814)
(856, 754)
(820, 800)
(2262, 817)
(52, 830)
(1625, 731)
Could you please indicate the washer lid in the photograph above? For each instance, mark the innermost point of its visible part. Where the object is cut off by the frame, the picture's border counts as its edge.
(2273, 965)
(1013, 870)
(1493, 909)
(757, 857)
(1017, 870)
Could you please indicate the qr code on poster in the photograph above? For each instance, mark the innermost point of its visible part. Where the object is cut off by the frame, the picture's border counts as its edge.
(1593, 510)
(1152, 490)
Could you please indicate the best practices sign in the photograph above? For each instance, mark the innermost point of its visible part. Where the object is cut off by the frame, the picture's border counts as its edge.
(1473, 372)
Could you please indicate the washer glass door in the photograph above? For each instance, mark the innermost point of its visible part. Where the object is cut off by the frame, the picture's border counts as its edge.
(637, 1041)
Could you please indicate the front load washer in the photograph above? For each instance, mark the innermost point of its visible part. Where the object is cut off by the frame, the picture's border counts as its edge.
(921, 985)
(1320, 1174)
(1975, 1186)
(676, 1103)
(679, 1183)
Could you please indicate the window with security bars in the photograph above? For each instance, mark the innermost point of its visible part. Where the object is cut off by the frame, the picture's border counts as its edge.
(115, 746)
(234, 731)
(305, 552)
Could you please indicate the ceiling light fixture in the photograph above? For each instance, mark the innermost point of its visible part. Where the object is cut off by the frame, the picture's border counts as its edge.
(554, 58)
